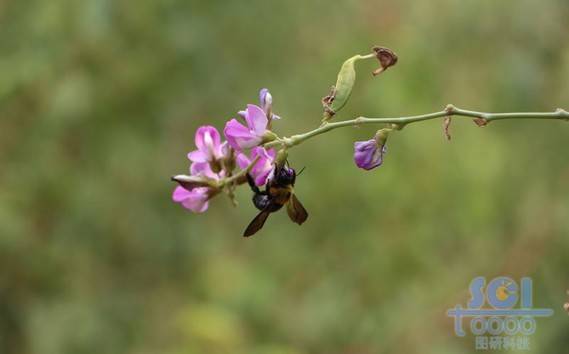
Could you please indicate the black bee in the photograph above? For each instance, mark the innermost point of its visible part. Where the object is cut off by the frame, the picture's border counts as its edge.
(278, 192)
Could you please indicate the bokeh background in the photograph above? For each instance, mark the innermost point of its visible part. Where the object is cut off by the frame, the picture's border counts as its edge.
(99, 101)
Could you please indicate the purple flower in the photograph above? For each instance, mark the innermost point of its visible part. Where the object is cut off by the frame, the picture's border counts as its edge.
(368, 154)
(196, 198)
(208, 142)
(245, 137)
(262, 168)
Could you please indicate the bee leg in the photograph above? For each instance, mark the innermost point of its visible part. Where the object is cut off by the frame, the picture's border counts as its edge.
(252, 184)
(260, 198)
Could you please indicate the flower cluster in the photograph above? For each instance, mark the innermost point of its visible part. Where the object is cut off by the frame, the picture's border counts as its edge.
(214, 161)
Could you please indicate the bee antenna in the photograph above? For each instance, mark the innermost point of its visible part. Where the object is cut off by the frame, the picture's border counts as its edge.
(301, 170)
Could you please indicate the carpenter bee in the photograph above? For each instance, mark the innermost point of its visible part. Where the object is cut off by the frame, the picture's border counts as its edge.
(278, 192)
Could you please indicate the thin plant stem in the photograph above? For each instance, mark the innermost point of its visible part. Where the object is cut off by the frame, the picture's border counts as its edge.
(482, 118)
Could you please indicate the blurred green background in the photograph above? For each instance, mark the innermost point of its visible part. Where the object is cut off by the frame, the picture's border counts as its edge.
(99, 101)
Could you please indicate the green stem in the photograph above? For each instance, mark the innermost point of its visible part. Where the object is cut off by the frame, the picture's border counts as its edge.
(236, 177)
(400, 122)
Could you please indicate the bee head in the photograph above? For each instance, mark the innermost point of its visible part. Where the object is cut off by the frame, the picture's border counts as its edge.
(285, 175)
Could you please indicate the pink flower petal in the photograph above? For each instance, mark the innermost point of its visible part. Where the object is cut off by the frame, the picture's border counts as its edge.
(197, 200)
(261, 177)
(207, 137)
(265, 154)
(180, 194)
(225, 149)
(197, 156)
(239, 136)
(243, 161)
(264, 166)
(272, 153)
(197, 206)
(203, 169)
(256, 119)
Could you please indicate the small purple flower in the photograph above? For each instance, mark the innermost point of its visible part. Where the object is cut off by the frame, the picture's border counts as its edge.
(368, 154)
(208, 142)
(245, 137)
(196, 199)
(264, 166)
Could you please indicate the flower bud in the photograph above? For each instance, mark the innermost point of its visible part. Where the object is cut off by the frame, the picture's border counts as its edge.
(369, 154)
(266, 100)
(269, 136)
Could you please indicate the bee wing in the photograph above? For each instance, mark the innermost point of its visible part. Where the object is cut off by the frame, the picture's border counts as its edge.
(296, 211)
(257, 223)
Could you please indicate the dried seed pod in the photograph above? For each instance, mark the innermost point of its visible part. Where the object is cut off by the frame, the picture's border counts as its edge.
(386, 59)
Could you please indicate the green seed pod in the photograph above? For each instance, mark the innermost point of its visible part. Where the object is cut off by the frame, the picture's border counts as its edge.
(341, 92)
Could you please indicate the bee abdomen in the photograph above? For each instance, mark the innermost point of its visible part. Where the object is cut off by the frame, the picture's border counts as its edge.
(261, 201)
